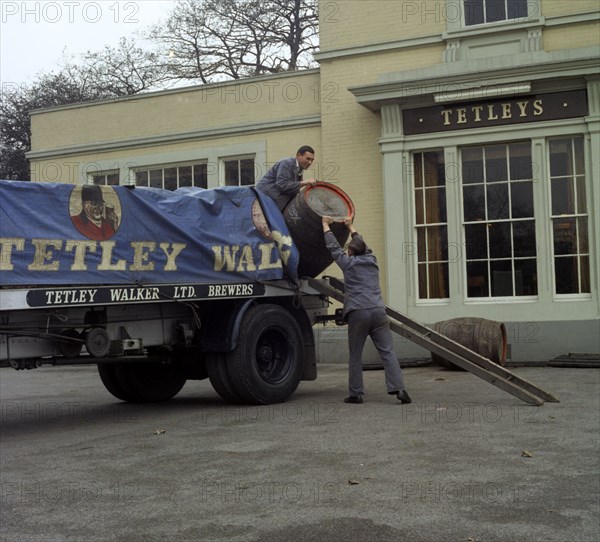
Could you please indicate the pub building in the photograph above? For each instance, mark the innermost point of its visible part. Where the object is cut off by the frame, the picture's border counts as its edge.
(467, 133)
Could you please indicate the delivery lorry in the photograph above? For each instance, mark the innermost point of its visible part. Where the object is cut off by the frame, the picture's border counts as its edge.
(159, 287)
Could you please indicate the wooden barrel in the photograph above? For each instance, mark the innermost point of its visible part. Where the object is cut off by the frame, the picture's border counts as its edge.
(486, 337)
(303, 217)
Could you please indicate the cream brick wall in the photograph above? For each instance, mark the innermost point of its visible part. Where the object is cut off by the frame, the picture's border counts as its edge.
(351, 23)
(572, 37)
(554, 8)
(202, 107)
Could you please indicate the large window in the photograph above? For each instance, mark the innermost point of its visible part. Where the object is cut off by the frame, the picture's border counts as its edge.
(238, 171)
(431, 224)
(173, 177)
(492, 11)
(498, 220)
(569, 216)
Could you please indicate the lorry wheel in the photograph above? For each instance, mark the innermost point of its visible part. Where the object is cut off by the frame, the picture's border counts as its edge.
(147, 382)
(150, 382)
(267, 363)
(219, 378)
(109, 379)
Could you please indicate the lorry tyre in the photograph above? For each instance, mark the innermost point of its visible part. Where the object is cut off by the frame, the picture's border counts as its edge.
(219, 378)
(111, 383)
(267, 364)
(147, 382)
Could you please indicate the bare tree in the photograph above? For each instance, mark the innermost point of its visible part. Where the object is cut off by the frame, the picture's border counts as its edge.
(118, 71)
(210, 40)
(108, 73)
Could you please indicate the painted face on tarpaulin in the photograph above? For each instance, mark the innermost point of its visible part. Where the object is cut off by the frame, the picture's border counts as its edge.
(93, 203)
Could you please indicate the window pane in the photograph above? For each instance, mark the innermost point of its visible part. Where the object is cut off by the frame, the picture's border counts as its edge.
(562, 197)
(495, 164)
(141, 178)
(156, 178)
(524, 239)
(422, 244)
(418, 165)
(171, 178)
(232, 173)
(502, 278)
(112, 179)
(419, 211)
(435, 205)
(473, 12)
(494, 11)
(423, 281)
(582, 233)
(566, 273)
(581, 203)
(477, 279)
(472, 165)
(437, 243)
(579, 165)
(201, 175)
(525, 277)
(584, 264)
(521, 196)
(520, 161)
(185, 176)
(474, 203)
(517, 9)
(247, 172)
(438, 280)
(500, 241)
(434, 168)
(565, 236)
(476, 239)
(497, 201)
(560, 158)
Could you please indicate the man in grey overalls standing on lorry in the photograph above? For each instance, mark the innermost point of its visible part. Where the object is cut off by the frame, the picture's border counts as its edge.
(365, 313)
(284, 179)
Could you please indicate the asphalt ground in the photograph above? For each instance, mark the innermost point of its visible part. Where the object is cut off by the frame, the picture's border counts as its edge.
(464, 462)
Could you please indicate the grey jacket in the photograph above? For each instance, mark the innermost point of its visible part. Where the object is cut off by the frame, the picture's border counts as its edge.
(361, 276)
(282, 182)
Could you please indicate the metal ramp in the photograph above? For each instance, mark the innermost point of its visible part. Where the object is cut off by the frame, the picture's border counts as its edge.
(447, 348)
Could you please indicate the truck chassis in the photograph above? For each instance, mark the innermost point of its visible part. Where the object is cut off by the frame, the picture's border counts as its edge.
(254, 341)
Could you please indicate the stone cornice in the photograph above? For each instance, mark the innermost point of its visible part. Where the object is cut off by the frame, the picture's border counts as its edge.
(411, 85)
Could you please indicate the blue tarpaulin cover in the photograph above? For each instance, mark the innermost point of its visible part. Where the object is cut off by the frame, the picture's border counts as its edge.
(63, 234)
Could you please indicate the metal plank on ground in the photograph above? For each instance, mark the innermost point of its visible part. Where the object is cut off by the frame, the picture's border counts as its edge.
(448, 349)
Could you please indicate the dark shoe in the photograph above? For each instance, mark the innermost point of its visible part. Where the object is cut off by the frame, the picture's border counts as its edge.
(403, 397)
(354, 399)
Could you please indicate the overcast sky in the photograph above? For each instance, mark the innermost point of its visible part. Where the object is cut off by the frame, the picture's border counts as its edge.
(34, 34)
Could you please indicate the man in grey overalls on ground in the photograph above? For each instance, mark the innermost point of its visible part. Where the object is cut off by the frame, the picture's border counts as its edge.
(365, 313)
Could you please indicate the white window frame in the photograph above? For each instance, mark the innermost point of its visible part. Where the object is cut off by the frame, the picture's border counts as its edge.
(163, 167)
(577, 215)
(93, 177)
(237, 158)
(510, 220)
(455, 18)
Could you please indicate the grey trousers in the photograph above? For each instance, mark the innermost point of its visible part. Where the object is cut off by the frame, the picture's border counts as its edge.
(374, 323)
